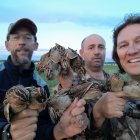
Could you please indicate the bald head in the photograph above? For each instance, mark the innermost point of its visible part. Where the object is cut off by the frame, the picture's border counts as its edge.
(93, 52)
(93, 39)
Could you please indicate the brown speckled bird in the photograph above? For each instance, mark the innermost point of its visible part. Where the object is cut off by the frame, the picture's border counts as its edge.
(38, 98)
(59, 101)
(116, 82)
(40, 67)
(61, 61)
(131, 89)
(19, 98)
(90, 91)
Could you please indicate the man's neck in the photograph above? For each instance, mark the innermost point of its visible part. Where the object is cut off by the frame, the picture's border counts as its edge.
(96, 73)
(27, 66)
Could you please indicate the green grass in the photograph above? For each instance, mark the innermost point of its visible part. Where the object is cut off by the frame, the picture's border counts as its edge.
(113, 69)
(51, 83)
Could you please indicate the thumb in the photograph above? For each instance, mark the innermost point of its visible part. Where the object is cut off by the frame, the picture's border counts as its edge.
(120, 94)
(72, 106)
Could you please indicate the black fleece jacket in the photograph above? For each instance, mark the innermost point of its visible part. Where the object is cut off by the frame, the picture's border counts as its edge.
(11, 75)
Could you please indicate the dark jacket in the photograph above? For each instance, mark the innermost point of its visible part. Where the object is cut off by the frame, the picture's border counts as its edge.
(11, 75)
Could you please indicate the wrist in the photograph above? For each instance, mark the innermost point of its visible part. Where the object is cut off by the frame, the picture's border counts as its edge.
(58, 132)
(98, 117)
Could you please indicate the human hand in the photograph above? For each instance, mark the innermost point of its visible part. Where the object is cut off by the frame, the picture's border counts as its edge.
(72, 122)
(24, 125)
(110, 105)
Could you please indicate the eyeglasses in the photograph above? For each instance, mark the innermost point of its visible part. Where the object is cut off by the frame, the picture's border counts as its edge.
(16, 37)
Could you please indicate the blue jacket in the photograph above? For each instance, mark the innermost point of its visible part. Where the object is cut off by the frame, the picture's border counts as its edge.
(11, 75)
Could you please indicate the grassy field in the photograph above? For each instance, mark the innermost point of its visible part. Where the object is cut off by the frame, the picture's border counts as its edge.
(111, 68)
(108, 68)
(51, 83)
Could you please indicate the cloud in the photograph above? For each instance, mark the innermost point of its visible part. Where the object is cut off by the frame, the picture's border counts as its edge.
(85, 12)
(67, 21)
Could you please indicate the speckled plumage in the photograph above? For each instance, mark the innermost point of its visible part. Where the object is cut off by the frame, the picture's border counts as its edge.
(19, 98)
(131, 89)
(60, 60)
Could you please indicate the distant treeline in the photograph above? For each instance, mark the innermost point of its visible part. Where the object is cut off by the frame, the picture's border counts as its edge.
(110, 63)
(106, 63)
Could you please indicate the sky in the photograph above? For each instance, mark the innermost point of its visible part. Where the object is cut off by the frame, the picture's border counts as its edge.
(67, 22)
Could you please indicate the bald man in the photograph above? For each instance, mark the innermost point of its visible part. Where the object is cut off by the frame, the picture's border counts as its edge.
(93, 51)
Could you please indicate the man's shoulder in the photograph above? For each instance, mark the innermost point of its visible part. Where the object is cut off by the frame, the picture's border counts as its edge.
(2, 66)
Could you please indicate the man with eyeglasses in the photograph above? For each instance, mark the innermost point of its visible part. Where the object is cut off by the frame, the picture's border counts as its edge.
(26, 37)
(18, 69)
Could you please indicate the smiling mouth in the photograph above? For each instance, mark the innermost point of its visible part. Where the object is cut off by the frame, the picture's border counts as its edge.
(134, 60)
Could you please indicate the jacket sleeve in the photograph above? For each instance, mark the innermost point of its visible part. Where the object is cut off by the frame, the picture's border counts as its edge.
(44, 127)
(3, 121)
(93, 132)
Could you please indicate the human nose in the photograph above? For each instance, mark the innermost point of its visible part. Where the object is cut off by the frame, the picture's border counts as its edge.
(96, 50)
(132, 48)
(22, 40)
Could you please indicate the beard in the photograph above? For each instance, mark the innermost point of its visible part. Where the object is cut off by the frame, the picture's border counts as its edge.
(22, 56)
(23, 61)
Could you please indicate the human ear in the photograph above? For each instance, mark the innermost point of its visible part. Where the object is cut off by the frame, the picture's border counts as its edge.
(7, 45)
(35, 46)
(81, 52)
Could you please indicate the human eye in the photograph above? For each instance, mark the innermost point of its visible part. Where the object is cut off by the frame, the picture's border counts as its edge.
(101, 47)
(138, 40)
(90, 47)
(28, 37)
(122, 45)
(15, 37)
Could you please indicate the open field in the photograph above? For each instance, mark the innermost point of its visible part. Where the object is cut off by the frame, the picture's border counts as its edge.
(111, 68)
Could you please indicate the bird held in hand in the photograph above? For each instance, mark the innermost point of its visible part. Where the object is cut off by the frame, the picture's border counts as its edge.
(19, 98)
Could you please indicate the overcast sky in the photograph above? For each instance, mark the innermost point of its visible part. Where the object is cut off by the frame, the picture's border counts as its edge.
(67, 22)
